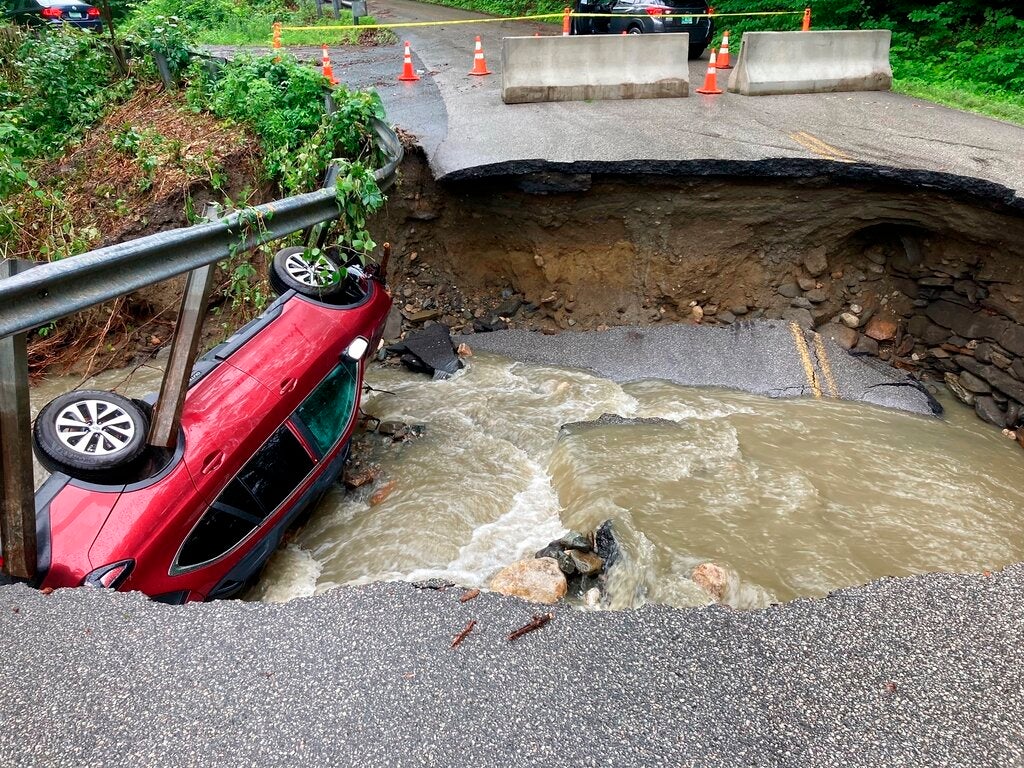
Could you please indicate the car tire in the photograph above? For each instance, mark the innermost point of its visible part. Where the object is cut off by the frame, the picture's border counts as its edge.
(635, 30)
(89, 433)
(289, 271)
(696, 51)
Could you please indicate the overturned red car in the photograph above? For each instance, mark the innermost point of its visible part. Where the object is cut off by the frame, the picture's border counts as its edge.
(265, 430)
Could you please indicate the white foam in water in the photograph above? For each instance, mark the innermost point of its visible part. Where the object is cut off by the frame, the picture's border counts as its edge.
(292, 572)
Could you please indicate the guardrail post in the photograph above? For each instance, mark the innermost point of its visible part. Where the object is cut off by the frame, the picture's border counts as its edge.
(17, 486)
(163, 431)
(337, 8)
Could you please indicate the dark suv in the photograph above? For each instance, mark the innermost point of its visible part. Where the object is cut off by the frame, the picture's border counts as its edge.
(80, 15)
(647, 16)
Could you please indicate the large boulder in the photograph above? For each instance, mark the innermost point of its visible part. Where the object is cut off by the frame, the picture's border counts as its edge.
(539, 580)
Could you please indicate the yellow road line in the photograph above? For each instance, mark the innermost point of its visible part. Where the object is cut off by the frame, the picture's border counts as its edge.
(805, 358)
(819, 147)
(826, 368)
(534, 17)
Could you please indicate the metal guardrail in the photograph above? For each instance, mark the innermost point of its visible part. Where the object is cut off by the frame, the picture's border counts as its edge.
(51, 291)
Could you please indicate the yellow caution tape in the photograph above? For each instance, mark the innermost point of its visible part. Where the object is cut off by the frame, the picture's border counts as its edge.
(535, 17)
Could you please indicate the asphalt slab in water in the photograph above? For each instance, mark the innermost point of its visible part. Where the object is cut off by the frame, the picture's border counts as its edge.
(772, 358)
(903, 672)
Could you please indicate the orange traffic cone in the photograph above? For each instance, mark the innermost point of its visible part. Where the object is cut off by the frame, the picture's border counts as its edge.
(723, 53)
(327, 69)
(806, 26)
(408, 73)
(711, 78)
(479, 62)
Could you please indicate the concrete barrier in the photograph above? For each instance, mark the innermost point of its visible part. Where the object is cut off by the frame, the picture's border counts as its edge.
(594, 67)
(812, 62)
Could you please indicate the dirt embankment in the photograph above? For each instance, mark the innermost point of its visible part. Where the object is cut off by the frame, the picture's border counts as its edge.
(932, 283)
(151, 165)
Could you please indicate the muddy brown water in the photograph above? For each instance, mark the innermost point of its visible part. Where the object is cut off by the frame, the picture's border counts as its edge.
(794, 497)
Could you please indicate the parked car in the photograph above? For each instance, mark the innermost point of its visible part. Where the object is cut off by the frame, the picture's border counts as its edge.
(265, 430)
(40, 12)
(647, 17)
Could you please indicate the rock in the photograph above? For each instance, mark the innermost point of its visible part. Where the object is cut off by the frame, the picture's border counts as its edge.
(815, 261)
(509, 307)
(697, 312)
(906, 346)
(799, 316)
(713, 579)
(999, 360)
(989, 410)
(383, 492)
(881, 328)
(1000, 380)
(933, 334)
(974, 384)
(849, 319)
(605, 545)
(917, 325)
(875, 254)
(422, 315)
(840, 334)
(997, 302)
(393, 325)
(801, 303)
(1012, 339)
(592, 597)
(983, 352)
(1013, 412)
(1017, 368)
(806, 283)
(856, 309)
(574, 540)
(739, 310)
(967, 288)
(539, 581)
(464, 350)
(586, 563)
(551, 550)
(356, 477)
(565, 563)
(866, 346)
(817, 296)
(969, 324)
(953, 384)
(726, 317)
(390, 428)
(789, 290)
(936, 281)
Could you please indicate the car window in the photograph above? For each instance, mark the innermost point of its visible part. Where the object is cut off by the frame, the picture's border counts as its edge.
(229, 520)
(265, 481)
(326, 412)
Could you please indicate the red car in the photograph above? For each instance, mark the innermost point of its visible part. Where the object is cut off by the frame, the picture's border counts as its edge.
(265, 430)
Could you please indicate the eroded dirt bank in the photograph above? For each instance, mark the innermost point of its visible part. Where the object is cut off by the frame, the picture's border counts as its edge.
(925, 280)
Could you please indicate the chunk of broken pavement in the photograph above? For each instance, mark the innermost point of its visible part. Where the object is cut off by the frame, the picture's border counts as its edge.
(539, 581)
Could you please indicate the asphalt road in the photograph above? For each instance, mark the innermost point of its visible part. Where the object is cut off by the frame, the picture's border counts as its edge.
(467, 131)
(909, 672)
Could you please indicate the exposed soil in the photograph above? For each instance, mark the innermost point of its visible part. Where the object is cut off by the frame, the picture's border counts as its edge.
(109, 195)
(864, 263)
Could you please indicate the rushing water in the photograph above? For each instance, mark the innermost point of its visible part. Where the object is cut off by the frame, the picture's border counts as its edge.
(794, 497)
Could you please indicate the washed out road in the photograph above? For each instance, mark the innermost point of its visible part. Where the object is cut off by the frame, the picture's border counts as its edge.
(466, 130)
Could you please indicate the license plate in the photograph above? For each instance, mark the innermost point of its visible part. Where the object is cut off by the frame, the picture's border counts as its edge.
(685, 19)
(73, 15)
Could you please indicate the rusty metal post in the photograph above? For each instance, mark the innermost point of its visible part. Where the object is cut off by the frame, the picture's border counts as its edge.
(163, 431)
(17, 484)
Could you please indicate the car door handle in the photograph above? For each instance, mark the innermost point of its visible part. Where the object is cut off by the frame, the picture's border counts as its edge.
(212, 462)
(289, 385)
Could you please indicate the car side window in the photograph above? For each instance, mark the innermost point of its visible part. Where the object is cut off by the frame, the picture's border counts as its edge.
(230, 519)
(327, 411)
(276, 470)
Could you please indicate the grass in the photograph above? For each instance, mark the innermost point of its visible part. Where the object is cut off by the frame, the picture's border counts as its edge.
(259, 31)
(1008, 107)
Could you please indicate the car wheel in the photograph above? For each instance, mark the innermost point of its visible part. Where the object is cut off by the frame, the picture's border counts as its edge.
(634, 30)
(87, 433)
(318, 277)
(696, 51)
